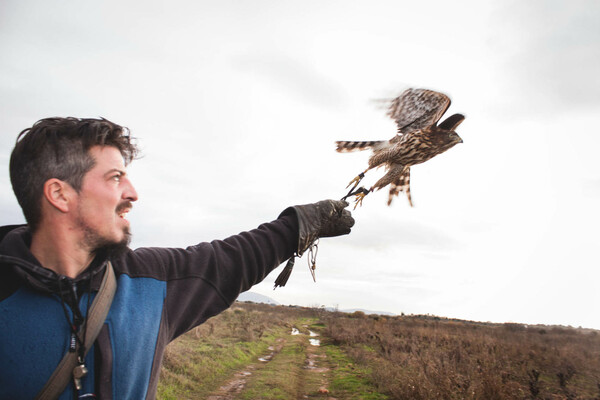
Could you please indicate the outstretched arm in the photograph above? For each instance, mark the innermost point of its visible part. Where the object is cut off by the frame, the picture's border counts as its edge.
(205, 279)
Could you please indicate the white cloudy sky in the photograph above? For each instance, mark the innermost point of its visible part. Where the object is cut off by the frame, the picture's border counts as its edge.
(237, 104)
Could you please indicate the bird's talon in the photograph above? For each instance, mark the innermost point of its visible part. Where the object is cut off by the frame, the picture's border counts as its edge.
(360, 195)
(354, 182)
(358, 201)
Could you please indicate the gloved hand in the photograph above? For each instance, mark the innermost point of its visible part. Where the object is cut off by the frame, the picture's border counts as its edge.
(325, 218)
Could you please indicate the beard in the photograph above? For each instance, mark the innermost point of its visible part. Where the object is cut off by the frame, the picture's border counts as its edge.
(97, 244)
(113, 249)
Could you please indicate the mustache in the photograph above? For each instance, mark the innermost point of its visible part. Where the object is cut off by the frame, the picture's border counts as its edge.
(124, 206)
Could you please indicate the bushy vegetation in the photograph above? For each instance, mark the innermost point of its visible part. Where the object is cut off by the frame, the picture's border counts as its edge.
(378, 357)
(199, 361)
(420, 357)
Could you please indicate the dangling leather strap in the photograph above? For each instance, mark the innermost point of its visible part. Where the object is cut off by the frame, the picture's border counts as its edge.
(98, 311)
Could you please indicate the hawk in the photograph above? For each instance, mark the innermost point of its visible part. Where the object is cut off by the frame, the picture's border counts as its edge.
(419, 138)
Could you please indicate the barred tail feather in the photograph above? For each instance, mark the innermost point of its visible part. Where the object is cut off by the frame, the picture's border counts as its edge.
(401, 184)
(348, 146)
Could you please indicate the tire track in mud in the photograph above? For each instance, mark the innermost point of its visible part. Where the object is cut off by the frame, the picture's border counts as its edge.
(316, 365)
(233, 387)
(313, 384)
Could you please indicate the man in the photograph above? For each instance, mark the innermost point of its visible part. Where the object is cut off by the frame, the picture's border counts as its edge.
(69, 176)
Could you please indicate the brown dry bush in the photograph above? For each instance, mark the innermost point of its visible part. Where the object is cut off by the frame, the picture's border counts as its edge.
(421, 357)
(424, 357)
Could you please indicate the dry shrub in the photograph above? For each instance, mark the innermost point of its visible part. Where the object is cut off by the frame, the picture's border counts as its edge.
(421, 357)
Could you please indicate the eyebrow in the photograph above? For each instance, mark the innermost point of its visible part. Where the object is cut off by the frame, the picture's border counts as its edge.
(113, 170)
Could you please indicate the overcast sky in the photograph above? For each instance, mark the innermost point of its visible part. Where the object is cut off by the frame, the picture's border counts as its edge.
(237, 104)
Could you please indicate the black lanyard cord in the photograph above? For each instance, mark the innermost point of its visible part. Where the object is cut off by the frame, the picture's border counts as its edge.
(77, 341)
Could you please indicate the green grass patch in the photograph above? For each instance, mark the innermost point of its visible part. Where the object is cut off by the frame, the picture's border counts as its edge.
(195, 366)
(282, 377)
(349, 380)
(406, 357)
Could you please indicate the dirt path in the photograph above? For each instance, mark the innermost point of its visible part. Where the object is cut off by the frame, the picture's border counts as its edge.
(317, 370)
(312, 375)
(232, 388)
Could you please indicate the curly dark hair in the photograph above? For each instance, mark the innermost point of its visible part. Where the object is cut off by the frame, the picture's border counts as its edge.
(59, 148)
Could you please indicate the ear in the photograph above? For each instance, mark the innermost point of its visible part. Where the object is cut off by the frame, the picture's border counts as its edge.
(58, 194)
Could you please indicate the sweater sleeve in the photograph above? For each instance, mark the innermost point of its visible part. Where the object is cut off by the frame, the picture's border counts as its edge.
(205, 279)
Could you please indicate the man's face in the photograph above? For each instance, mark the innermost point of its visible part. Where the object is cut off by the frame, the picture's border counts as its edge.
(104, 200)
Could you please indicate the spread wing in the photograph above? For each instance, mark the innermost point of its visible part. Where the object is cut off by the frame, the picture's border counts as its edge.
(416, 109)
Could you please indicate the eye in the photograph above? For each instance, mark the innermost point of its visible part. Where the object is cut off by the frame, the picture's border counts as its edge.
(117, 177)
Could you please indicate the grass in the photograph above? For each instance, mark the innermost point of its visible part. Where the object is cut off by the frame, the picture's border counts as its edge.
(376, 357)
(281, 378)
(196, 363)
(349, 380)
(421, 357)
(287, 377)
(190, 371)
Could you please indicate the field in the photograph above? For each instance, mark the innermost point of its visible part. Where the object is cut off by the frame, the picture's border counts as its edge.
(257, 351)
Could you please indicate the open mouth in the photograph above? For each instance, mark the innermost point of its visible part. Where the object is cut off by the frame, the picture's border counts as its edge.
(122, 211)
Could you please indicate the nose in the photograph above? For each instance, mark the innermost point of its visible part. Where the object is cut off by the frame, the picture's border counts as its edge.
(130, 193)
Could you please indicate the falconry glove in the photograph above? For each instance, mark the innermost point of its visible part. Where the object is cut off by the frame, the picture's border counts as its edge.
(326, 218)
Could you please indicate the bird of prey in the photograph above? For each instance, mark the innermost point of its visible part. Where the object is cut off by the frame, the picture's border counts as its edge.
(419, 138)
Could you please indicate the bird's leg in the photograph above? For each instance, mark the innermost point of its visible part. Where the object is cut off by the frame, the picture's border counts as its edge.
(360, 194)
(356, 180)
(350, 193)
(360, 191)
(353, 192)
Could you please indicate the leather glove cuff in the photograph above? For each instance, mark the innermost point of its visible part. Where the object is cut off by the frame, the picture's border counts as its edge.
(325, 218)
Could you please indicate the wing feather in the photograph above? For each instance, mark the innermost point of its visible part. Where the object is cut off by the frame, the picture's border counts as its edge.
(416, 109)
(452, 122)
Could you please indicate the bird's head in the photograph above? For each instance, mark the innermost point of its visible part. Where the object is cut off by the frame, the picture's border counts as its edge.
(454, 138)
(449, 125)
(448, 139)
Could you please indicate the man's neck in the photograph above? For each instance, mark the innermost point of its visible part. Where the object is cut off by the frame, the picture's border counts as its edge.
(60, 253)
